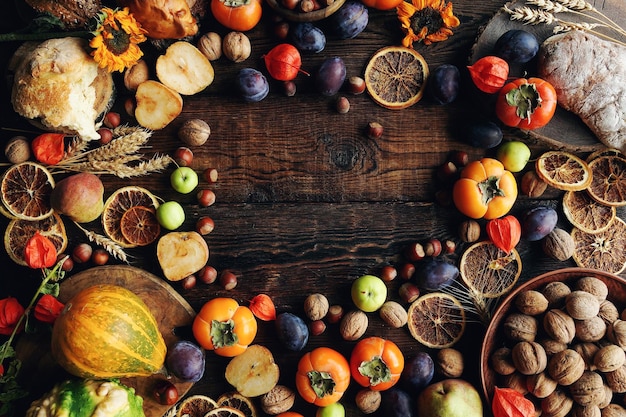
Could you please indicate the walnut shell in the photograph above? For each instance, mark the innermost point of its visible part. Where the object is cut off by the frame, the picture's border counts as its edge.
(520, 327)
(368, 401)
(210, 44)
(529, 358)
(559, 325)
(609, 358)
(194, 132)
(540, 385)
(616, 333)
(316, 306)
(594, 286)
(353, 325)
(555, 292)
(558, 244)
(566, 367)
(531, 302)
(450, 363)
(236, 46)
(552, 346)
(616, 379)
(278, 400)
(589, 411)
(591, 330)
(587, 351)
(613, 410)
(502, 361)
(393, 314)
(17, 149)
(517, 382)
(581, 305)
(557, 404)
(588, 389)
(608, 312)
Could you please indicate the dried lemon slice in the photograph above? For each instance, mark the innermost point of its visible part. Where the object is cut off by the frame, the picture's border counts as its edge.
(436, 320)
(587, 214)
(563, 170)
(395, 77)
(26, 189)
(605, 251)
(608, 184)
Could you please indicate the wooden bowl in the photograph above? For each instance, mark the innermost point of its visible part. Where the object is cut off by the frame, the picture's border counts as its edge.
(494, 337)
(313, 16)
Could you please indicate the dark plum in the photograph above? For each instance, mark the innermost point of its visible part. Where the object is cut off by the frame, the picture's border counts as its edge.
(292, 331)
(330, 76)
(418, 372)
(434, 274)
(350, 20)
(252, 84)
(538, 222)
(396, 403)
(516, 46)
(185, 360)
(307, 37)
(483, 134)
(443, 84)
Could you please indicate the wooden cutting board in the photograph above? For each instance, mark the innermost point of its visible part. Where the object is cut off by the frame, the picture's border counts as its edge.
(168, 307)
(566, 130)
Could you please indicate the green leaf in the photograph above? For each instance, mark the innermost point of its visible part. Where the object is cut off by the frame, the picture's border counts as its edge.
(322, 383)
(376, 370)
(223, 333)
(51, 288)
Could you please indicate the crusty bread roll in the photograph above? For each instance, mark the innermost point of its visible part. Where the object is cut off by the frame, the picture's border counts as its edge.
(589, 76)
(59, 86)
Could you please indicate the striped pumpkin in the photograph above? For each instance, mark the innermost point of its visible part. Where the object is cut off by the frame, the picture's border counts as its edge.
(106, 331)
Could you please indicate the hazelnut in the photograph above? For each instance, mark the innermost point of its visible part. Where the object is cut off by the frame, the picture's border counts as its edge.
(520, 327)
(335, 313)
(353, 325)
(368, 401)
(236, 46)
(432, 247)
(532, 186)
(409, 292)
(540, 385)
(136, 74)
(317, 327)
(559, 325)
(194, 132)
(594, 286)
(529, 358)
(316, 306)
(469, 231)
(388, 273)
(609, 358)
(531, 302)
(566, 367)
(557, 404)
(210, 44)
(356, 85)
(278, 400)
(581, 305)
(393, 314)
(342, 105)
(17, 150)
(374, 130)
(502, 362)
(558, 244)
(450, 363)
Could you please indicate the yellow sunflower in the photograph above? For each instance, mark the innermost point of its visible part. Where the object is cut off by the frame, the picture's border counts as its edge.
(116, 39)
(427, 21)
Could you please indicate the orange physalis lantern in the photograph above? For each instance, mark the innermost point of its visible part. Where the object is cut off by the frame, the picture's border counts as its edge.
(283, 62)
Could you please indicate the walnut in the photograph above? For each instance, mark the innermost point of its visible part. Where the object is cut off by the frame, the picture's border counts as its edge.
(588, 389)
(278, 400)
(194, 132)
(616, 333)
(502, 362)
(517, 382)
(555, 292)
(582, 305)
(591, 330)
(17, 149)
(540, 385)
(608, 312)
(552, 346)
(353, 325)
(589, 411)
(609, 358)
(559, 325)
(557, 404)
(368, 401)
(210, 44)
(393, 314)
(450, 363)
(566, 367)
(236, 46)
(558, 244)
(532, 185)
(608, 396)
(531, 302)
(316, 306)
(469, 231)
(520, 327)
(529, 358)
(587, 351)
(613, 410)
(136, 74)
(592, 285)
(616, 379)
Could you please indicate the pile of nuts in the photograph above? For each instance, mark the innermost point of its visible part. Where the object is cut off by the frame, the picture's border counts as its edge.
(565, 348)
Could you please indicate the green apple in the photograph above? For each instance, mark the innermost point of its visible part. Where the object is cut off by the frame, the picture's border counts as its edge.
(514, 155)
(331, 410)
(369, 293)
(184, 180)
(170, 215)
(450, 398)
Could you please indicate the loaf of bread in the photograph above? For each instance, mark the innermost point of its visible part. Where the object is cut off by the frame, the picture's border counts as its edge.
(589, 76)
(58, 86)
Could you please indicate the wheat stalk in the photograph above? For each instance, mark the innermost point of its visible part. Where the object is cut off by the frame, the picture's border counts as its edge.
(530, 16)
(113, 248)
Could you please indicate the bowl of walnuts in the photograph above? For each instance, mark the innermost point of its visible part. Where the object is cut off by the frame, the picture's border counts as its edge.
(560, 339)
(305, 10)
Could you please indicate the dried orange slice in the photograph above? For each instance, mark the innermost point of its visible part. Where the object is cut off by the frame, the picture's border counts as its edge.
(139, 225)
(19, 231)
(605, 251)
(26, 189)
(195, 406)
(605, 152)
(488, 270)
(117, 204)
(225, 412)
(436, 320)
(236, 400)
(608, 184)
(585, 213)
(563, 170)
(395, 77)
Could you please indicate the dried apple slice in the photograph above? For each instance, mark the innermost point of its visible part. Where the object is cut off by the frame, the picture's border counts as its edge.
(253, 372)
(181, 254)
(157, 105)
(184, 68)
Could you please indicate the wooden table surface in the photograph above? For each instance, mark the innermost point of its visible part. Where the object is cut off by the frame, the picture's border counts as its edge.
(306, 202)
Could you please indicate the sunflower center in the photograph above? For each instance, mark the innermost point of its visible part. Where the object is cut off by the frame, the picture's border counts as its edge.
(118, 41)
(428, 18)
